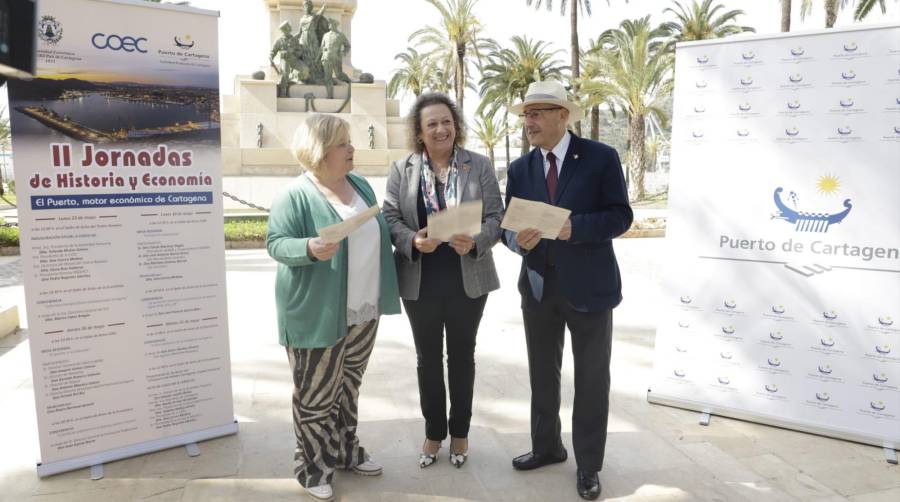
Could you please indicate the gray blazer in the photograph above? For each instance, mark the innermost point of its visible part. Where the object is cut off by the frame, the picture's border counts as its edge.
(476, 181)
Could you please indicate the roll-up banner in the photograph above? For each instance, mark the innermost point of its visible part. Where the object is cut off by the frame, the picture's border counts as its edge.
(782, 295)
(119, 188)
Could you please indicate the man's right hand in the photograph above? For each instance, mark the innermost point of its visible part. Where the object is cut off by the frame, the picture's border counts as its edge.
(529, 238)
(423, 244)
(321, 250)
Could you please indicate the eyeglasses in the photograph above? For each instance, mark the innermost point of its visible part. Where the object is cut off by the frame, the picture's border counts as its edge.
(536, 113)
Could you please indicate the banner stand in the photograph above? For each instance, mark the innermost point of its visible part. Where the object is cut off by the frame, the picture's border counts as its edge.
(98, 459)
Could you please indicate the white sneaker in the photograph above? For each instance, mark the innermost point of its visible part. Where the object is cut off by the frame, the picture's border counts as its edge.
(323, 492)
(368, 468)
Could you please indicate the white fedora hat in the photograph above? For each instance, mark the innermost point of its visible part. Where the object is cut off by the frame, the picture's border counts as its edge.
(551, 93)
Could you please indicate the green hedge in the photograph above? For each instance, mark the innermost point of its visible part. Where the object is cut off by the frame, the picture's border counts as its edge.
(249, 229)
(9, 236)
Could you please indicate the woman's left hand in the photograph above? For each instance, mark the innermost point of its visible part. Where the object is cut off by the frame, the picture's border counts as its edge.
(462, 244)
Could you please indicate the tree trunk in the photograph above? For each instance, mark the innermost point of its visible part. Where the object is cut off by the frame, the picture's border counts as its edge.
(525, 144)
(460, 80)
(785, 15)
(576, 71)
(490, 153)
(831, 7)
(595, 122)
(506, 125)
(636, 157)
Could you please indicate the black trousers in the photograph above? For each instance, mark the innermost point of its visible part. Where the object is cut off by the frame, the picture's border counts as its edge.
(428, 318)
(545, 324)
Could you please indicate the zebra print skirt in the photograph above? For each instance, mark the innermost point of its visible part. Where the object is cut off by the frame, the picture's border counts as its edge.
(325, 404)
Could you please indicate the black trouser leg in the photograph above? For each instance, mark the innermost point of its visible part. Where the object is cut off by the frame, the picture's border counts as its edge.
(462, 320)
(427, 322)
(545, 336)
(591, 350)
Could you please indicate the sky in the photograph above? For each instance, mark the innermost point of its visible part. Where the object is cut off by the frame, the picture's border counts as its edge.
(381, 28)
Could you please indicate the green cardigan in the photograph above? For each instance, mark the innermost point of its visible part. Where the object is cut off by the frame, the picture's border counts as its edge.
(310, 295)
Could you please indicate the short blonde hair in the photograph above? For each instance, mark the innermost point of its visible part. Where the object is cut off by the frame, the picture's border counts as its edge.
(315, 136)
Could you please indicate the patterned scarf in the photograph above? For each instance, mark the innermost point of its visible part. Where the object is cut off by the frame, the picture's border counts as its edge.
(429, 186)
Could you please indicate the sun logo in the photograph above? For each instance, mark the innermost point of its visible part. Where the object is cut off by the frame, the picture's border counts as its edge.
(828, 184)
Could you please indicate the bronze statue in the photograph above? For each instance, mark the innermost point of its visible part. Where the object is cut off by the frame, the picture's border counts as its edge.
(313, 26)
(334, 43)
(291, 60)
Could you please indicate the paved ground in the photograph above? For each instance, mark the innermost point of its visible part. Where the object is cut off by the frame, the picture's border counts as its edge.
(653, 453)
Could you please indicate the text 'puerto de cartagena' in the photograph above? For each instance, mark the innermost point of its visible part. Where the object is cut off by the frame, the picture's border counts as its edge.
(817, 247)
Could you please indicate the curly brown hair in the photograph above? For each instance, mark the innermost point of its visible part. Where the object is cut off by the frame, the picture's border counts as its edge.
(415, 119)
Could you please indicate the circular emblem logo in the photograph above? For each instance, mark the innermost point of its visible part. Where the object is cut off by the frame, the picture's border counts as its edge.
(49, 30)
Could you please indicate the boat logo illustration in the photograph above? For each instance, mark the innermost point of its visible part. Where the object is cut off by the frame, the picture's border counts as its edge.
(686, 299)
(793, 105)
(885, 320)
(697, 134)
(726, 355)
(823, 396)
(848, 75)
(743, 133)
(797, 51)
(730, 303)
(883, 349)
(679, 348)
(825, 369)
(728, 330)
(791, 131)
(699, 109)
(776, 335)
(747, 80)
(748, 56)
(808, 221)
(724, 380)
(851, 47)
(679, 373)
(778, 309)
(701, 84)
(827, 341)
(896, 129)
(847, 103)
(880, 377)
(181, 44)
(774, 362)
(843, 131)
(771, 387)
(830, 315)
(684, 324)
(877, 405)
(744, 107)
(795, 77)
(703, 59)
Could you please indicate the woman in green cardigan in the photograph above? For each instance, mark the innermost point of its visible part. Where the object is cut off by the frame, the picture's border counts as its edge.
(329, 297)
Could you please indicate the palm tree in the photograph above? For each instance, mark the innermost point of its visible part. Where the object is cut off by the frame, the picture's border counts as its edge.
(636, 74)
(831, 10)
(459, 33)
(785, 15)
(416, 75)
(865, 6)
(592, 97)
(701, 23)
(509, 72)
(574, 48)
(489, 131)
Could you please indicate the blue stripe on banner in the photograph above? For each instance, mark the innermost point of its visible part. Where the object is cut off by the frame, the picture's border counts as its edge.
(82, 201)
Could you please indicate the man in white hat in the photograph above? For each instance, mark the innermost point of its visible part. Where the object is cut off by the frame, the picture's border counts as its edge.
(568, 280)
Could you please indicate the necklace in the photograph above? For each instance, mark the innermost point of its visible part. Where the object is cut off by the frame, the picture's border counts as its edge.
(443, 174)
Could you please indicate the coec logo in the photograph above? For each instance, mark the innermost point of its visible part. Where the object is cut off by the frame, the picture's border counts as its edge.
(118, 42)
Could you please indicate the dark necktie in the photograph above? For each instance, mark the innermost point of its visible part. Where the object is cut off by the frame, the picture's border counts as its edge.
(552, 177)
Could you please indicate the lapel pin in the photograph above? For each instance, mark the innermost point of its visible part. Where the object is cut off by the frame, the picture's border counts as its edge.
(575, 156)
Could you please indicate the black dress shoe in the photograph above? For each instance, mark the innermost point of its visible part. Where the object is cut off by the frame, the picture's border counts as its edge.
(588, 484)
(533, 460)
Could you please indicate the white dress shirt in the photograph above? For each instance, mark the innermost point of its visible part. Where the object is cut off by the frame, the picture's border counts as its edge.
(560, 151)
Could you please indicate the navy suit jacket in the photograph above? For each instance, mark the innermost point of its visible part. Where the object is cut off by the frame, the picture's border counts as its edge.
(592, 186)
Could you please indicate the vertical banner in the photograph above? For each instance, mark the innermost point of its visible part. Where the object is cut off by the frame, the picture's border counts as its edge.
(783, 288)
(120, 211)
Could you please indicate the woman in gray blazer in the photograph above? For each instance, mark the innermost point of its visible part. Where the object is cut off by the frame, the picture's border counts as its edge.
(443, 285)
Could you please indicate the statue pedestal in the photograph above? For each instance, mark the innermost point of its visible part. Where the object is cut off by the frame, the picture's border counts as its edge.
(255, 102)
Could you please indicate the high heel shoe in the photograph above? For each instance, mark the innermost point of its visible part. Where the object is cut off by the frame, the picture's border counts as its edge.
(458, 459)
(427, 459)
